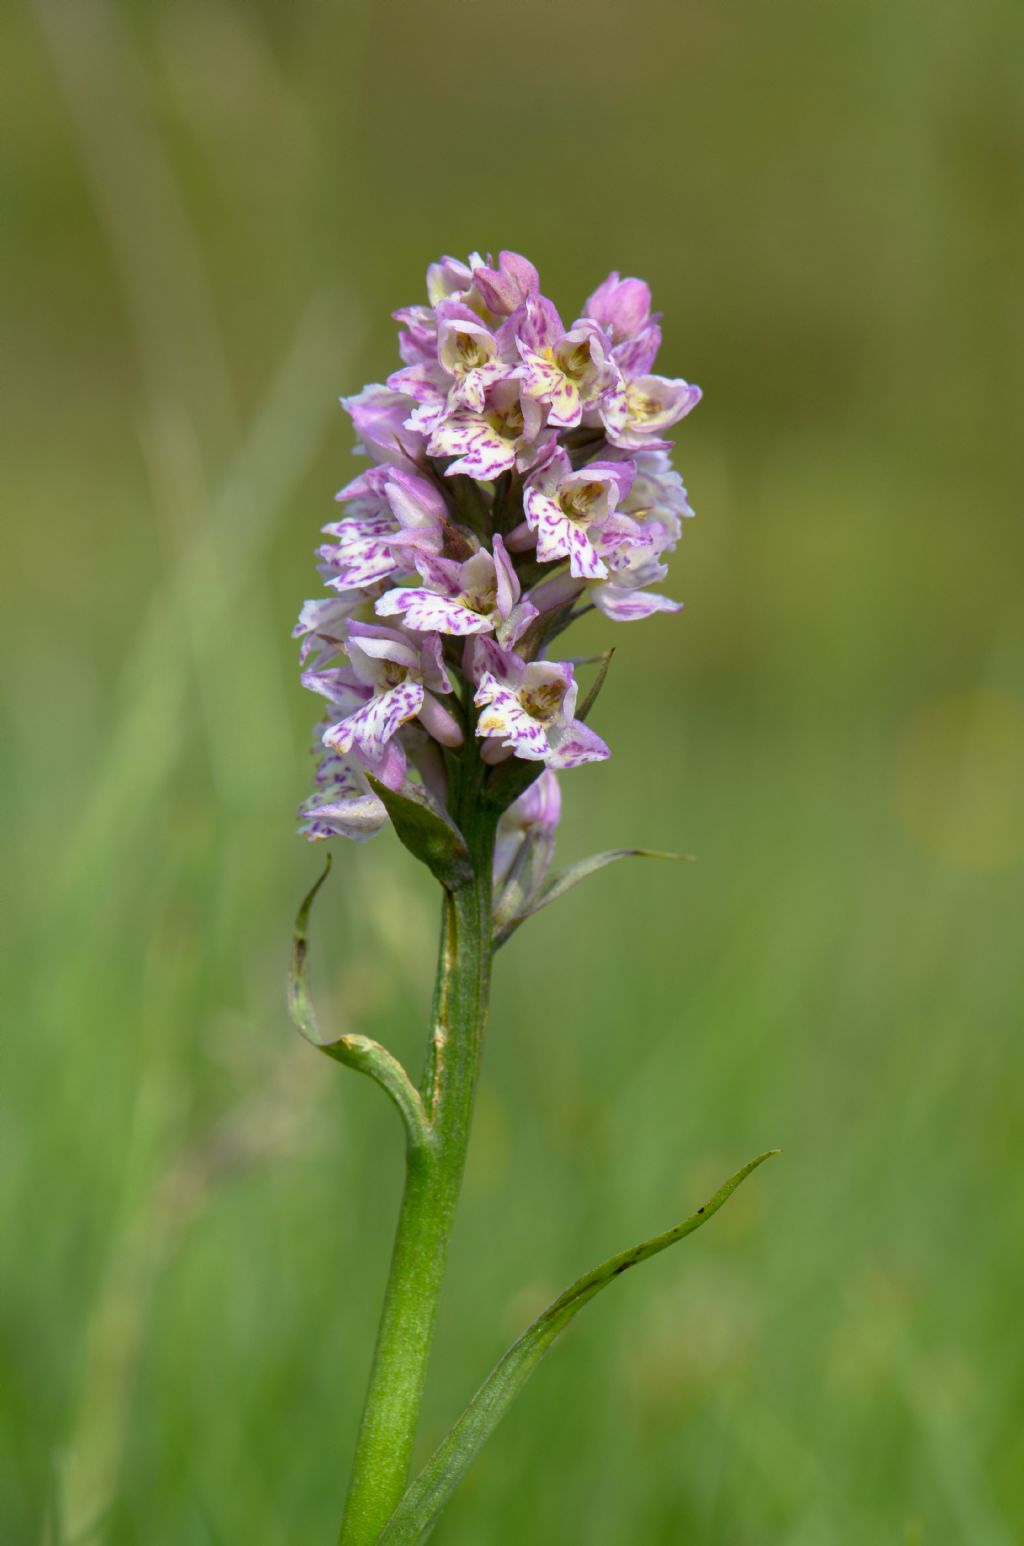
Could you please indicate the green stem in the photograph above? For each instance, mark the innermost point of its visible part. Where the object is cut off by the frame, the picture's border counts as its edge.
(433, 1180)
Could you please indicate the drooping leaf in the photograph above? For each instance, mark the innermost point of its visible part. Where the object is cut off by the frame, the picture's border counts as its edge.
(358, 1052)
(300, 1002)
(564, 880)
(426, 1496)
(428, 832)
(370, 1058)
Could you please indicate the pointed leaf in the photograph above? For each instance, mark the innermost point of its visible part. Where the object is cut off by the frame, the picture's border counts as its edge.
(564, 880)
(419, 1508)
(428, 832)
(596, 685)
(358, 1052)
(300, 1003)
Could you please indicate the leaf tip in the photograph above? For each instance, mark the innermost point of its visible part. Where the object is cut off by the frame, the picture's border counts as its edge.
(427, 830)
(310, 897)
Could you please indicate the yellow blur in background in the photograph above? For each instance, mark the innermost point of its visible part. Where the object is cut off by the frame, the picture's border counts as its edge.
(210, 208)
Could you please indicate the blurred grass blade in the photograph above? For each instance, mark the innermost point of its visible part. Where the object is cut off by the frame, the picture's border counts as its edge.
(428, 832)
(564, 880)
(418, 1511)
(358, 1052)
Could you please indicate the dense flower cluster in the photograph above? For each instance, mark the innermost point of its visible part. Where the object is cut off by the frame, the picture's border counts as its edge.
(519, 475)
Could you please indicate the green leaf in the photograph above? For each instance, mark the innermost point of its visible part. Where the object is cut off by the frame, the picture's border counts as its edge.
(358, 1052)
(564, 880)
(370, 1058)
(300, 1003)
(428, 832)
(423, 1501)
(605, 661)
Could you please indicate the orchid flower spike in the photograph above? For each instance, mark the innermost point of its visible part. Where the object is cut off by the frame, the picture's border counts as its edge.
(518, 474)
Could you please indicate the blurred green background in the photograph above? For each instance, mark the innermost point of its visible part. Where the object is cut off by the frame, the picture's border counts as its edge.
(210, 209)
